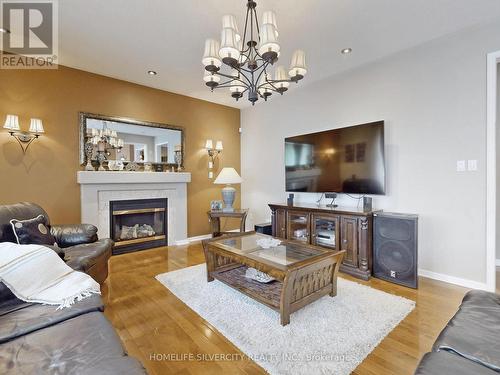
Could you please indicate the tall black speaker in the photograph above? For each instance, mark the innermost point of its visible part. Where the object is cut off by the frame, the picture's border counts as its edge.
(395, 247)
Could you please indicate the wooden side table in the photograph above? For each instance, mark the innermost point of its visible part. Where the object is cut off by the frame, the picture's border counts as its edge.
(214, 217)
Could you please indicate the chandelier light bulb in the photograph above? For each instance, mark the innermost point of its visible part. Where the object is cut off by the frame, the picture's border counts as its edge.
(269, 17)
(211, 60)
(265, 88)
(236, 87)
(211, 80)
(269, 46)
(229, 21)
(229, 51)
(298, 68)
(280, 75)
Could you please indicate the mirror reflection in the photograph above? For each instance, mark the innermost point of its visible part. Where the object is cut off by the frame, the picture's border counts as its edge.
(128, 142)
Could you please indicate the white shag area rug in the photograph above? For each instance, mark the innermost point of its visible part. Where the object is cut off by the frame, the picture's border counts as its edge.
(329, 336)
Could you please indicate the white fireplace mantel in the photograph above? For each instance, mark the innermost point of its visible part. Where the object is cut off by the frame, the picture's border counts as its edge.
(97, 189)
(122, 177)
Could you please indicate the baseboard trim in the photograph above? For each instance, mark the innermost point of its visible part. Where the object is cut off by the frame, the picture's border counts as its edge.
(188, 240)
(453, 280)
(498, 262)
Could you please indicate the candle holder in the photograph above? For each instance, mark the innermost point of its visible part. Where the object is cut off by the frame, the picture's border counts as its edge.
(89, 149)
(101, 158)
(178, 159)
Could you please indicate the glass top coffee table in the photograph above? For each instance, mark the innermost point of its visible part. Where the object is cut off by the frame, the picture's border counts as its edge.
(303, 272)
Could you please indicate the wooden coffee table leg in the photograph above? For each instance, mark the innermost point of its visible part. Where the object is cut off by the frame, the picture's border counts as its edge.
(333, 293)
(210, 259)
(285, 318)
(286, 298)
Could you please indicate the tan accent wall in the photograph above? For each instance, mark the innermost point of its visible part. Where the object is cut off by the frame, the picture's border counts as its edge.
(47, 173)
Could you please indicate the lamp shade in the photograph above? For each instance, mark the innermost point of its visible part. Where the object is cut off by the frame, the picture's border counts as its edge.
(228, 176)
(209, 77)
(269, 17)
(229, 44)
(209, 145)
(218, 146)
(211, 54)
(264, 87)
(279, 75)
(229, 21)
(36, 126)
(12, 123)
(298, 64)
(268, 39)
(236, 85)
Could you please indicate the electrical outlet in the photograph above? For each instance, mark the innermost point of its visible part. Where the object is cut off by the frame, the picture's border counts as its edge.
(472, 165)
(393, 274)
(461, 166)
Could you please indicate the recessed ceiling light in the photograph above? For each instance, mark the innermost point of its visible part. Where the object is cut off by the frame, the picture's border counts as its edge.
(4, 31)
(152, 72)
(346, 51)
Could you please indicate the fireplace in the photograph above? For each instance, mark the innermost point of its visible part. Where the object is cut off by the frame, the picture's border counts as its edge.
(138, 224)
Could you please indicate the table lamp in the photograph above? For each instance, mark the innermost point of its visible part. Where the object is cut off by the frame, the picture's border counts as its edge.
(228, 176)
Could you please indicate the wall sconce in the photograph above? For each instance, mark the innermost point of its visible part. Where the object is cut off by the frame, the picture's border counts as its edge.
(23, 138)
(212, 154)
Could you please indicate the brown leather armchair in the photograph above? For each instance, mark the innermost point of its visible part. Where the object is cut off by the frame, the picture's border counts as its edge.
(78, 243)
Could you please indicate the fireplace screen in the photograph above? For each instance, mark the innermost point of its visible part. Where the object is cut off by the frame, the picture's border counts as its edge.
(138, 224)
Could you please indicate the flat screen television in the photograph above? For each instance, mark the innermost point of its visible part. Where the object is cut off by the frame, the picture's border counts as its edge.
(345, 160)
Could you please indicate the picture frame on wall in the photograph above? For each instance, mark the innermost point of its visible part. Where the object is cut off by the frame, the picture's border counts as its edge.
(216, 205)
(360, 152)
(349, 153)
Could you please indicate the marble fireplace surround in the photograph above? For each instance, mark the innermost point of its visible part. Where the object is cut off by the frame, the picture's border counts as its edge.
(97, 189)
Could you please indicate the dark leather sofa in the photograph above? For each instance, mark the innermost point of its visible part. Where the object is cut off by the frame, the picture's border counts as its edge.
(79, 244)
(38, 339)
(470, 342)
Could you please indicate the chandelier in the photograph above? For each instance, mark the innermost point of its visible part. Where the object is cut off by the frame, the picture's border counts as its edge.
(250, 58)
(106, 140)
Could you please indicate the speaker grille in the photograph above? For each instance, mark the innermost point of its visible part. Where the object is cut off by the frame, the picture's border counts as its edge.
(395, 248)
(395, 256)
(395, 229)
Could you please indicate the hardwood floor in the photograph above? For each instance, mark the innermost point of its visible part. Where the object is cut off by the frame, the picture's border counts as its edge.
(162, 331)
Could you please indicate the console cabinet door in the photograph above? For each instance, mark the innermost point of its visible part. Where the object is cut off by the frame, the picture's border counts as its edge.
(349, 240)
(280, 223)
(298, 224)
(325, 231)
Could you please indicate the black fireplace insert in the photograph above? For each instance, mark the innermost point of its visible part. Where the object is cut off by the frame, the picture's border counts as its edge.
(138, 224)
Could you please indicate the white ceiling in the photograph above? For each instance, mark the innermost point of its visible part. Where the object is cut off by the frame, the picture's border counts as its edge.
(126, 38)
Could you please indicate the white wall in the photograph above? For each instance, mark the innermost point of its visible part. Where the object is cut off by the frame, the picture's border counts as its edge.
(433, 100)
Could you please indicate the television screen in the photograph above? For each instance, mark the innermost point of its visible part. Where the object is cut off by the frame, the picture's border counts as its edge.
(345, 160)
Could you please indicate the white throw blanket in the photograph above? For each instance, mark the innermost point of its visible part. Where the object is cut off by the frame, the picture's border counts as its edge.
(35, 273)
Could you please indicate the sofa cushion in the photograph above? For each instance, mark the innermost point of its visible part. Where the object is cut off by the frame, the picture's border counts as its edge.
(474, 331)
(19, 211)
(442, 363)
(23, 318)
(74, 234)
(34, 231)
(480, 299)
(86, 344)
(83, 257)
